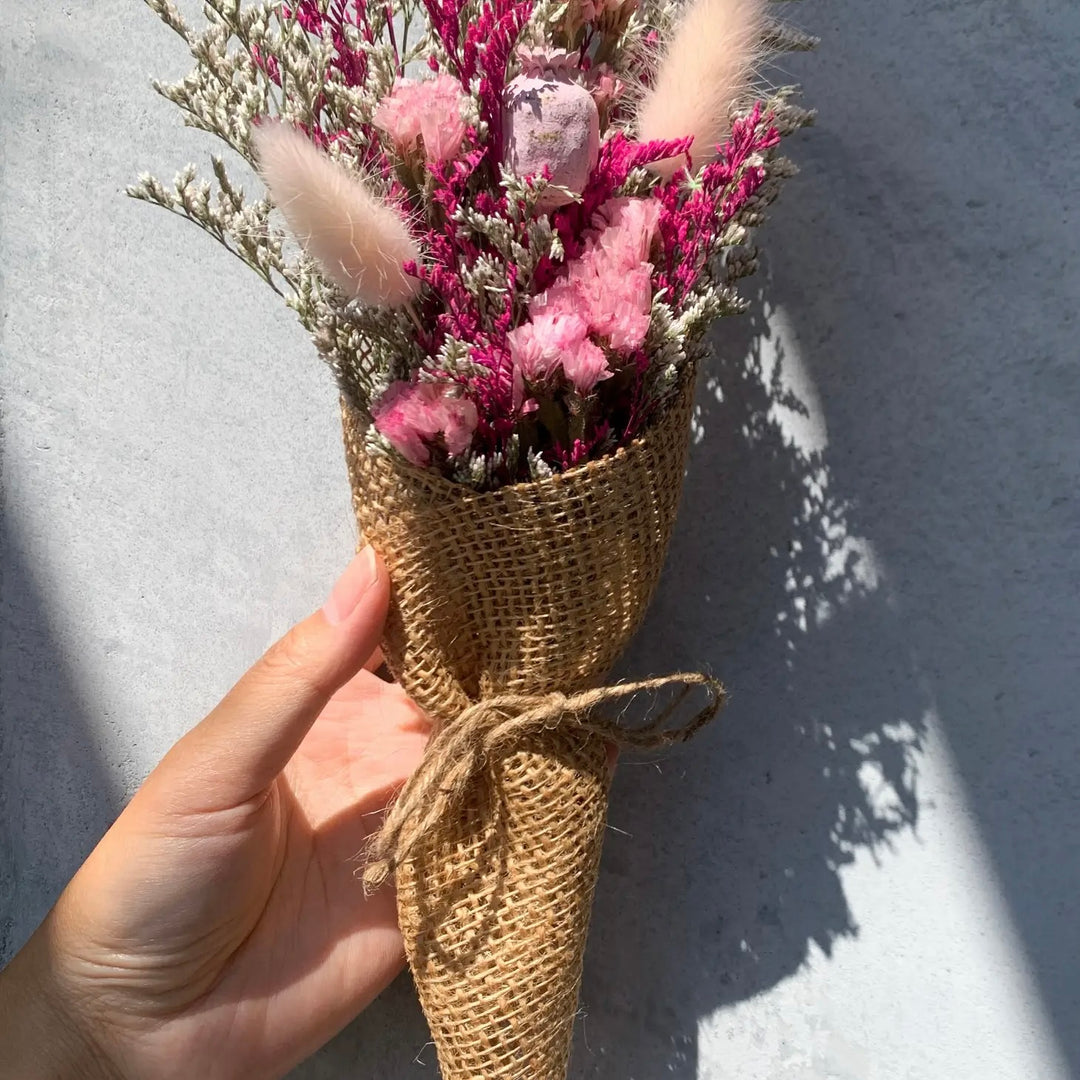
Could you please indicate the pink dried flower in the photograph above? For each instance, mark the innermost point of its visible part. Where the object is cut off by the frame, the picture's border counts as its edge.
(413, 415)
(558, 328)
(528, 355)
(585, 365)
(427, 111)
(610, 285)
(537, 347)
(616, 298)
(609, 15)
(606, 89)
(626, 228)
(557, 337)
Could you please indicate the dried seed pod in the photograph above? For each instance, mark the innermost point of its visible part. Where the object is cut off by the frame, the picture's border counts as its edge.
(550, 121)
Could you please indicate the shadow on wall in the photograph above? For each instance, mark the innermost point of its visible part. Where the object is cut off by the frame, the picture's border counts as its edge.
(721, 870)
(55, 795)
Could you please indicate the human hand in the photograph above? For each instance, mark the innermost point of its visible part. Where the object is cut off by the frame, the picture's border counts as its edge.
(219, 930)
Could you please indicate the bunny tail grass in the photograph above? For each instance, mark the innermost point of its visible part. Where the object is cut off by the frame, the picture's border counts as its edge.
(706, 67)
(360, 242)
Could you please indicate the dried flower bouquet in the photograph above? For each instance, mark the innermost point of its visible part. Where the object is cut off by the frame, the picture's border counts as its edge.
(507, 226)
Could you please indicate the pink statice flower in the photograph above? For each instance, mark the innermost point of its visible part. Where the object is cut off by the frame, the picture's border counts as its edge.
(427, 111)
(609, 286)
(413, 415)
(616, 297)
(608, 14)
(626, 228)
(606, 89)
(557, 338)
(585, 365)
(537, 347)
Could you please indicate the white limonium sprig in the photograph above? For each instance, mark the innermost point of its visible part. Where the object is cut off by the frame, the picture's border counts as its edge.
(220, 209)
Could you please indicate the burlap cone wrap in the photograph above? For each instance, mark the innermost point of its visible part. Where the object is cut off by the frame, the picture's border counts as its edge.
(526, 590)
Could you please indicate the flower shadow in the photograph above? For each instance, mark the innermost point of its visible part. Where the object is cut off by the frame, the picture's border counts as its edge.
(721, 872)
(57, 795)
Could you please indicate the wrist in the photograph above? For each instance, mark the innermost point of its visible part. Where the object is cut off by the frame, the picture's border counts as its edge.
(42, 1037)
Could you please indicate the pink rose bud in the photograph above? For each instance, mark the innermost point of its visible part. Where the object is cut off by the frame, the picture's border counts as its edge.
(550, 121)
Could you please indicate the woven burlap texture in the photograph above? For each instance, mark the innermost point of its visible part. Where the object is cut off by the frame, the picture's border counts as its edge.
(525, 590)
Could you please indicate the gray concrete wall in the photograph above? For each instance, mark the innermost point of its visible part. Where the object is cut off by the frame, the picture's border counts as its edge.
(869, 870)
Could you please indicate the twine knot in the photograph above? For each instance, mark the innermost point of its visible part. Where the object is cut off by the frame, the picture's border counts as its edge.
(458, 752)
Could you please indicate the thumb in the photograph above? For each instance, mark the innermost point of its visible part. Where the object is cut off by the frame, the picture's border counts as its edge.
(240, 748)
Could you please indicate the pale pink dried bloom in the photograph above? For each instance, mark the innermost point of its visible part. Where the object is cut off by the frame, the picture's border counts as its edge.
(610, 14)
(610, 285)
(615, 298)
(626, 228)
(622, 304)
(411, 415)
(606, 88)
(537, 347)
(557, 339)
(585, 365)
(528, 355)
(558, 328)
(427, 111)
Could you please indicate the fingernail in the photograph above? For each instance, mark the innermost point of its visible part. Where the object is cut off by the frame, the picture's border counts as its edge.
(349, 589)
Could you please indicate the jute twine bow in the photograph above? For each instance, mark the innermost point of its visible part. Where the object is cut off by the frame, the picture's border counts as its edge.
(457, 753)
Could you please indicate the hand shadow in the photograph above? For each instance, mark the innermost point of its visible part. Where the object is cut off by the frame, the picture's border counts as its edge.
(721, 867)
(57, 795)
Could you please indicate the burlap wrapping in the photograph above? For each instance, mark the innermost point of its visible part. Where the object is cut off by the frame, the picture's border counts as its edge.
(527, 590)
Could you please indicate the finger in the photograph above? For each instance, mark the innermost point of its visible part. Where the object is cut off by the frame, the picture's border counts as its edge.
(242, 746)
(375, 661)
